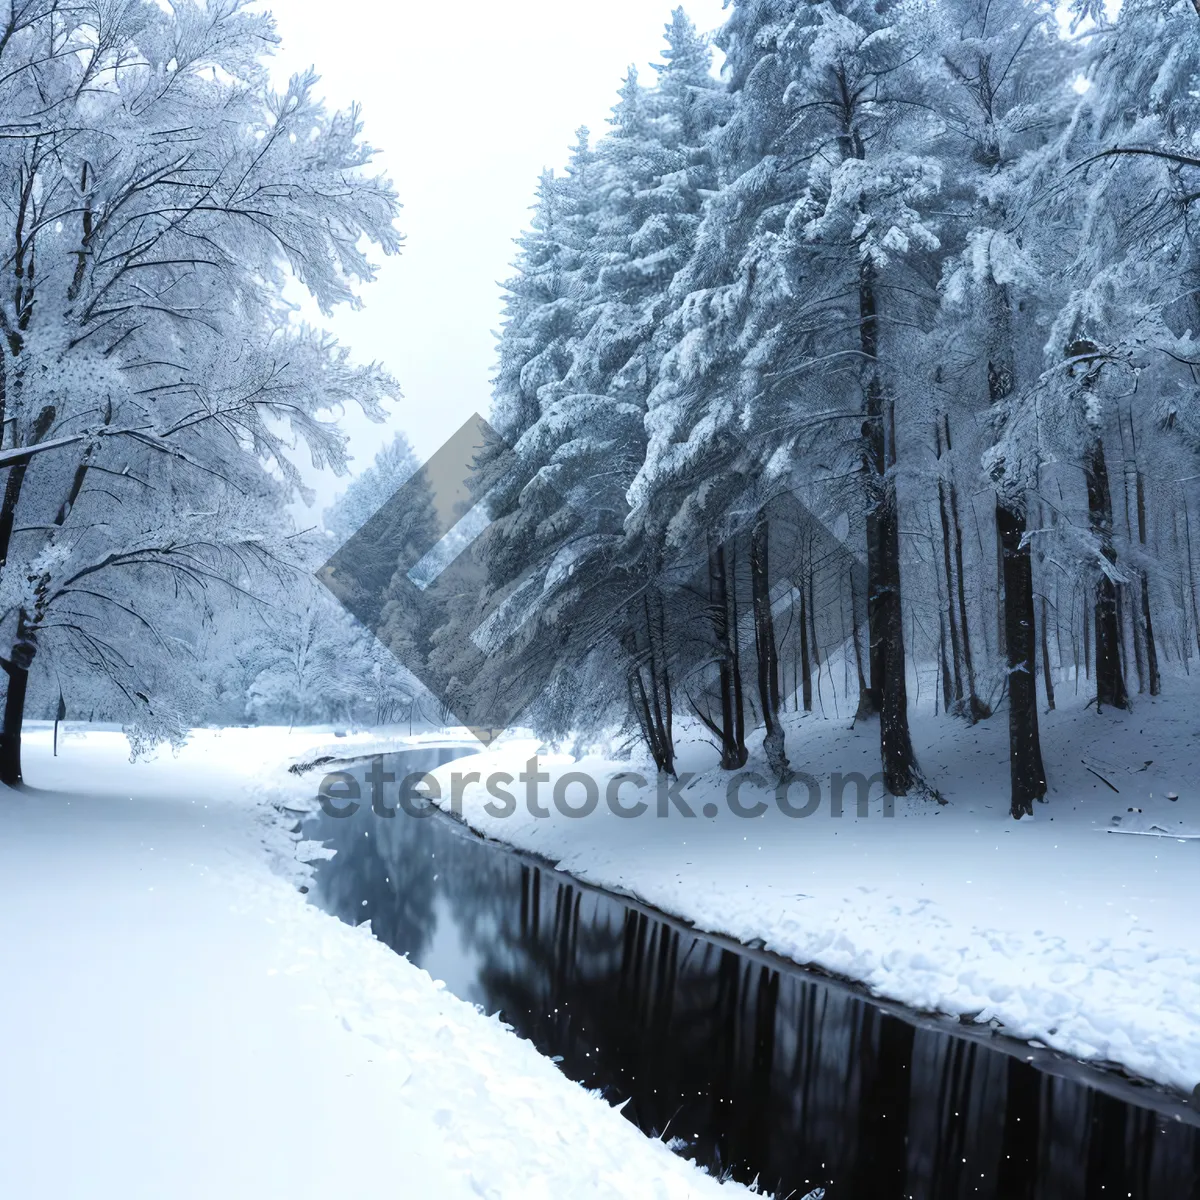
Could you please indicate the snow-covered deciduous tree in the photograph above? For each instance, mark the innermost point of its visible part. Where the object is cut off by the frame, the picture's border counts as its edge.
(157, 195)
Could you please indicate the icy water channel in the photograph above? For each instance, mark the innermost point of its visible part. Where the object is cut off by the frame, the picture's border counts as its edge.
(760, 1069)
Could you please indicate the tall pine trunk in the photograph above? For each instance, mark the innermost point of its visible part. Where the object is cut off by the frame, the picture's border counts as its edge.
(858, 657)
(660, 684)
(870, 699)
(1027, 772)
(650, 685)
(723, 614)
(1187, 530)
(1044, 631)
(813, 645)
(735, 661)
(977, 710)
(950, 618)
(943, 666)
(1110, 680)
(767, 651)
(1151, 649)
(805, 657)
(884, 612)
(1047, 677)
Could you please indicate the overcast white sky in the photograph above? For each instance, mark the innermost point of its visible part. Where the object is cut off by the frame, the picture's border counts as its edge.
(467, 102)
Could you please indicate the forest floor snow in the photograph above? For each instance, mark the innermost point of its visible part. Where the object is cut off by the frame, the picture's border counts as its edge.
(177, 1021)
(1051, 927)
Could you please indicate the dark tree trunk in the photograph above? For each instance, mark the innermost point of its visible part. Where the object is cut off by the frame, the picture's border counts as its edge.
(805, 659)
(660, 690)
(651, 698)
(951, 619)
(25, 647)
(733, 748)
(641, 705)
(899, 764)
(735, 663)
(1122, 591)
(18, 676)
(767, 653)
(1155, 682)
(17, 669)
(1125, 594)
(1085, 356)
(858, 658)
(1027, 773)
(10, 735)
(1110, 681)
(944, 665)
(1187, 533)
(884, 612)
(28, 625)
(1074, 645)
(1047, 679)
(874, 470)
(1148, 632)
(1139, 653)
(976, 709)
(1044, 631)
(869, 700)
(795, 669)
(813, 644)
(669, 726)
(1087, 639)
(1001, 623)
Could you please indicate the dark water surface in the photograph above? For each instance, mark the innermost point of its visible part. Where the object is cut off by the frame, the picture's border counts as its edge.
(763, 1070)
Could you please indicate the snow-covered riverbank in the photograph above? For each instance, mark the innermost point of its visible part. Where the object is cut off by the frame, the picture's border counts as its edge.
(1052, 927)
(178, 1021)
(173, 1002)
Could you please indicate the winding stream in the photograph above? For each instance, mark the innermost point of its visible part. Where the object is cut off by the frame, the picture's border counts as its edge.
(758, 1068)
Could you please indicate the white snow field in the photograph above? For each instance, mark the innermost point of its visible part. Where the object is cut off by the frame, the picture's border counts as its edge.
(177, 1021)
(1050, 927)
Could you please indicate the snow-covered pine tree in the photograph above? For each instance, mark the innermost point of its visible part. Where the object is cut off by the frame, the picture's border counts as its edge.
(906, 274)
(872, 175)
(367, 493)
(996, 64)
(562, 507)
(705, 447)
(1131, 312)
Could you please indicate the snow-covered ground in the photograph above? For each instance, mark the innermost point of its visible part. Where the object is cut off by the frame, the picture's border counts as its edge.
(177, 1021)
(1052, 927)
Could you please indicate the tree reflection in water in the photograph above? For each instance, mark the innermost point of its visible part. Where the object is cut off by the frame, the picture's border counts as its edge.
(761, 1072)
